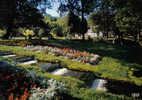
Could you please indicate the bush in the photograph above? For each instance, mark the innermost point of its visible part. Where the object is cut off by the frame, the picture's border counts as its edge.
(53, 90)
(58, 31)
(2, 32)
(28, 33)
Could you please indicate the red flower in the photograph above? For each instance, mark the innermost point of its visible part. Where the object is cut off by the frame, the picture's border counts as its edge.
(18, 75)
(84, 60)
(24, 75)
(34, 86)
(7, 77)
(70, 57)
(31, 86)
(26, 90)
(12, 74)
(9, 89)
(25, 82)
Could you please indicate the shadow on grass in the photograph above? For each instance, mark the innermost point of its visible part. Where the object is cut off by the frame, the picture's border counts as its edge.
(130, 53)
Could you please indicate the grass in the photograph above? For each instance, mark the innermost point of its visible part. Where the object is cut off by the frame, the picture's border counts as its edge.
(75, 88)
(114, 65)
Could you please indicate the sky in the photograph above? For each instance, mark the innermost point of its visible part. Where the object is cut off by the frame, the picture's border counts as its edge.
(53, 12)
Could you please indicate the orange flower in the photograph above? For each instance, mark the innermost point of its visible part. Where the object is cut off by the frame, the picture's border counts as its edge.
(16, 98)
(71, 52)
(77, 54)
(10, 96)
(23, 97)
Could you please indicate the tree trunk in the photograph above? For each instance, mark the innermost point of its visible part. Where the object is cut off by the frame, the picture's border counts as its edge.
(135, 38)
(138, 36)
(82, 15)
(30, 37)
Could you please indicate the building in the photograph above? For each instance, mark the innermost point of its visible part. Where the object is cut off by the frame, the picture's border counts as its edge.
(91, 34)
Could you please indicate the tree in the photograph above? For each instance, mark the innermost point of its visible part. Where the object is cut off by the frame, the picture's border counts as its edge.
(62, 22)
(103, 17)
(128, 24)
(2, 32)
(80, 7)
(120, 16)
(128, 18)
(23, 11)
(73, 23)
(28, 33)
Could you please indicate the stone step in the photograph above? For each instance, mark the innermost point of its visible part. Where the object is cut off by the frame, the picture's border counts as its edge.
(25, 59)
(29, 62)
(7, 56)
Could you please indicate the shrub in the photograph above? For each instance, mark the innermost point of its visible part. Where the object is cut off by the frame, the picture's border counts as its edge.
(52, 91)
(28, 33)
(2, 32)
(58, 31)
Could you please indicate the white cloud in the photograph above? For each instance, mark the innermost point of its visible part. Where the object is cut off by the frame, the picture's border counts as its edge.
(52, 12)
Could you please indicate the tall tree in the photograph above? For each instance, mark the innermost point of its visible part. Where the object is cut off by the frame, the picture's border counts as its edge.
(103, 16)
(128, 17)
(120, 16)
(80, 7)
(28, 9)
(73, 22)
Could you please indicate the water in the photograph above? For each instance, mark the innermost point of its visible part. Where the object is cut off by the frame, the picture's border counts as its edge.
(117, 87)
(99, 84)
(60, 71)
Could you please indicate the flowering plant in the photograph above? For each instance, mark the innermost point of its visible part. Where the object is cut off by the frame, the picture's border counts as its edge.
(15, 83)
(54, 89)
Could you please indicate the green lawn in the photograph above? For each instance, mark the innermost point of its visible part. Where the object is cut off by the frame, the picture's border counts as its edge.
(118, 63)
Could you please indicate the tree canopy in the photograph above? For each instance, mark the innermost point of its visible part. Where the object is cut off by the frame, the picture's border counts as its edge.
(24, 12)
(118, 16)
(79, 7)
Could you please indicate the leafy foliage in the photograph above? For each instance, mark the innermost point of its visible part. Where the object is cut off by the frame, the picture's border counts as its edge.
(2, 32)
(28, 33)
(122, 17)
(80, 8)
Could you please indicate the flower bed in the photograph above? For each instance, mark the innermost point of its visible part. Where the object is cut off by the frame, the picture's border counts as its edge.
(16, 83)
(84, 57)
